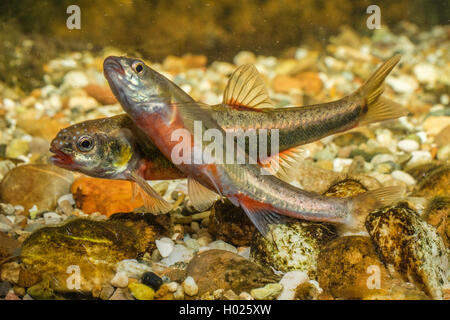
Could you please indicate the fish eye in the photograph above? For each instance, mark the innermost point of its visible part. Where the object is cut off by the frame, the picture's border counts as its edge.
(138, 67)
(85, 143)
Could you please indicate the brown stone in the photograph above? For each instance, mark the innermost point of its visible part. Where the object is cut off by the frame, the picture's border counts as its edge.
(35, 184)
(343, 268)
(230, 224)
(219, 269)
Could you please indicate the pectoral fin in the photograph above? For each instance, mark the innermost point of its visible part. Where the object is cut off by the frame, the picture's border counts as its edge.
(153, 201)
(201, 197)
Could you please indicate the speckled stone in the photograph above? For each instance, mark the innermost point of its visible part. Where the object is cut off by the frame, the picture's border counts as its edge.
(292, 246)
(414, 248)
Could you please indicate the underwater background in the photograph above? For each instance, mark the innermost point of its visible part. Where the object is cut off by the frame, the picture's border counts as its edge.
(64, 235)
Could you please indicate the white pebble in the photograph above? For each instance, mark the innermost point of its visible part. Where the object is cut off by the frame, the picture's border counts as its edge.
(246, 296)
(190, 287)
(179, 254)
(120, 280)
(52, 218)
(244, 252)
(340, 163)
(419, 157)
(222, 245)
(132, 268)
(165, 246)
(179, 293)
(403, 176)
(67, 197)
(408, 145)
(290, 282)
(172, 286)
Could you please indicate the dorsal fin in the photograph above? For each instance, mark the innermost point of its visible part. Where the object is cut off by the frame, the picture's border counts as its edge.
(284, 165)
(246, 88)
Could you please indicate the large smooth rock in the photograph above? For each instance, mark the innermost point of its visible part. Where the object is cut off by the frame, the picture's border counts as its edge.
(219, 269)
(37, 184)
(413, 247)
(292, 246)
(342, 268)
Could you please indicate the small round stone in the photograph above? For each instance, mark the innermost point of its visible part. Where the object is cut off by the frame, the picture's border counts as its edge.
(152, 280)
(190, 287)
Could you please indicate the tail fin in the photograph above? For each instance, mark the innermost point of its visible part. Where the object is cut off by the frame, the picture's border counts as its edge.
(366, 202)
(379, 108)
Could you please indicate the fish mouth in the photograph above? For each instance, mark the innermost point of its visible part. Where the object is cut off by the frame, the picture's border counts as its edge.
(115, 74)
(60, 158)
(112, 65)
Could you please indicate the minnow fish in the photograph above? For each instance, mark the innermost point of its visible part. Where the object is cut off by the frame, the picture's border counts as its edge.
(114, 148)
(266, 199)
(243, 111)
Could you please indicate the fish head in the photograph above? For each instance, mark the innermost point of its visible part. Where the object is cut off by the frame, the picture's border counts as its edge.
(136, 86)
(95, 148)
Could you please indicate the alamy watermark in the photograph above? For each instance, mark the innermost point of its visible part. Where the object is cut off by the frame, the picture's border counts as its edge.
(374, 20)
(74, 20)
(230, 149)
(73, 282)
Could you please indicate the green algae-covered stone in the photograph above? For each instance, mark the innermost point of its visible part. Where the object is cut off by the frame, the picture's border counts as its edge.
(436, 183)
(437, 213)
(81, 247)
(345, 188)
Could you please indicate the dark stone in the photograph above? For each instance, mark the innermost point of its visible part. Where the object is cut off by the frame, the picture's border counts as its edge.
(152, 280)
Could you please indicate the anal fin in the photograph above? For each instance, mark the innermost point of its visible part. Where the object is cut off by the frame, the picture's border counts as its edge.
(262, 216)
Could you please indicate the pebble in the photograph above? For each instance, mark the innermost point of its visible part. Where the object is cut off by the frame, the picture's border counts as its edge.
(172, 286)
(75, 79)
(245, 296)
(190, 287)
(426, 73)
(106, 292)
(290, 281)
(120, 280)
(244, 252)
(402, 84)
(152, 280)
(403, 176)
(67, 197)
(419, 157)
(222, 245)
(5, 227)
(141, 291)
(244, 57)
(268, 292)
(165, 246)
(340, 164)
(121, 294)
(408, 145)
(179, 254)
(52, 218)
(179, 293)
(132, 268)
